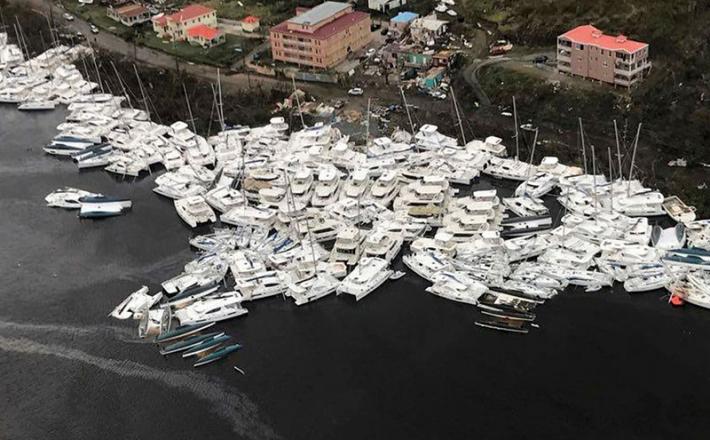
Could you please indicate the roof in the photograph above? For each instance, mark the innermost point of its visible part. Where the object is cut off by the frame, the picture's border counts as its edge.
(404, 17)
(319, 13)
(328, 30)
(190, 12)
(250, 19)
(204, 31)
(588, 34)
(429, 23)
(131, 10)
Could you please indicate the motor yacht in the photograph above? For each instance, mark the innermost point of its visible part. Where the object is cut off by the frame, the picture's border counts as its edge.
(195, 210)
(368, 275)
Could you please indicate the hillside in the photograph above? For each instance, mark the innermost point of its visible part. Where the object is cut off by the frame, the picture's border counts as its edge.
(673, 103)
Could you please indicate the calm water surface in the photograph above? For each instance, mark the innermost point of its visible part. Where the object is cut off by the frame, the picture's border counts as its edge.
(401, 364)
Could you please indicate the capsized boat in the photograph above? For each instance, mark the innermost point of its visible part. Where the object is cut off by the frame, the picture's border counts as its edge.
(217, 355)
(182, 331)
(189, 343)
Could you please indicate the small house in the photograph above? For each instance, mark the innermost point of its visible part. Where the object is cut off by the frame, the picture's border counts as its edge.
(402, 21)
(427, 29)
(417, 60)
(385, 6)
(250, 23)
(205, 36)
(432, 78)
(129, 14)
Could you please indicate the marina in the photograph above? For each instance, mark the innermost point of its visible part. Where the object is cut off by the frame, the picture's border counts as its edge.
(482, 263)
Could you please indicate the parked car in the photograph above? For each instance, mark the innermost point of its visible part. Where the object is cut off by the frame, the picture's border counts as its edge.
(542, 59)
(68, 17)
(438, 94)
(94, 29)
(357, 91)
(371, 51)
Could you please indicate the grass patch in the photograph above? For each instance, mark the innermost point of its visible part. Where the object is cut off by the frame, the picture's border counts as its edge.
(223, 55)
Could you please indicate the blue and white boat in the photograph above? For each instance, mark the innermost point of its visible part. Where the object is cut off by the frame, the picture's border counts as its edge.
(189, 343)
(182, 331)
(207, 345)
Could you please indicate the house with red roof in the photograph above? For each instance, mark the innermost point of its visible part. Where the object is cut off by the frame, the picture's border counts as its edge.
(129, 14)
(205, 36)
(587, 52)
(321, 37)
(177, 26)
(250, 23)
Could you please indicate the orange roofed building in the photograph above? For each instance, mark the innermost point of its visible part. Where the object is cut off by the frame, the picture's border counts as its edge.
(176, 26)
(587, 52)
(205, 36)
(320, 37)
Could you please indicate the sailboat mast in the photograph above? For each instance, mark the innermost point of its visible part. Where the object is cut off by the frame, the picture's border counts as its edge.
(189, 109)
(532, 154)
(515, 121)
(123, 87)
(633, 160)
(409, 115)
(584, 150)
(367, 123)
(594, 181)
(220, 107)
(140, 86)
(298, 101)
(611, 178)
(458, 116)
(618, 150)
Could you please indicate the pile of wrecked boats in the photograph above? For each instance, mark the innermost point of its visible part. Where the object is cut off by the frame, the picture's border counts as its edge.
(306, 213)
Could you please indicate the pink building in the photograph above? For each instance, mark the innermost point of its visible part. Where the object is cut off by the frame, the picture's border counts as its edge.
(587, 52)
(320, 37)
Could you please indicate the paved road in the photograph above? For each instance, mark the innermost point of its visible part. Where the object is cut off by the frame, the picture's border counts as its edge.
(471, 71)
(145, 55)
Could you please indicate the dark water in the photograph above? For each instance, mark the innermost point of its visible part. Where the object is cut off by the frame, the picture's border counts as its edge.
(400, 364)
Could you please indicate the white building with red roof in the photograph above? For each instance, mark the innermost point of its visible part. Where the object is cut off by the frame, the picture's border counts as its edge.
(176, 26)
(587, 52)
(205, 36)
(250, 23)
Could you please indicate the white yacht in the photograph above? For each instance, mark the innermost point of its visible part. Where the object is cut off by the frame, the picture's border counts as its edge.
(368, 275)
(327, 187)
(224, 198)
(456, 286)
(537, 186)
(261, 285)
(67, 197)
(302, 185)
(247, 215)
(224, 306)
(356, 185)
(311, 289)
(427, 264)
(194, 210)
(382, 245)
(442, 242)
(136, 304)
(348, 246)
(385, 188)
